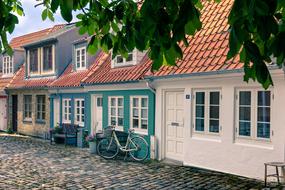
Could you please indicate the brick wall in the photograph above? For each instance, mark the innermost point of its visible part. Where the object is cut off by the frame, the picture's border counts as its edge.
(32, 127)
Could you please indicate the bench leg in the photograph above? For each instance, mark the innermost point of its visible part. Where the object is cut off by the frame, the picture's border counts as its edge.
(277, 173)
(265, 175)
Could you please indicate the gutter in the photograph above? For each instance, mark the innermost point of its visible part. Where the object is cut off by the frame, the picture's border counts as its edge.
(150, 86)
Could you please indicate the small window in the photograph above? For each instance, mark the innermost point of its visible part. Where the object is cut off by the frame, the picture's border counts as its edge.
(119, 60)
(99, 101)
(7, 67)
(254, 114)
(139, 113)
(66, 110)
(207, 111)
(27, 107)
(80, 58)
(47, 59)
(41, 107)
(116, 111)
(33, 60)
(79, 111)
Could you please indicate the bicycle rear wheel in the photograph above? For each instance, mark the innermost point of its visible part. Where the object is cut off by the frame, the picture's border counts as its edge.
(139, 148)
(107, 148)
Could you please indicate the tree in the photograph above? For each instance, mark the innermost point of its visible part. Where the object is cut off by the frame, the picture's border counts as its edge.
(257, 28)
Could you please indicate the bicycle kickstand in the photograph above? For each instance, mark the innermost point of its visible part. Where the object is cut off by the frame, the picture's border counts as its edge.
(125, 156)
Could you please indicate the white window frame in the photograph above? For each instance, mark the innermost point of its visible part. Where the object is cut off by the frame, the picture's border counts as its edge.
(68, 108)
(139, 129)
(206, 112)
(80, 58)
(31, 108)
(254, 115)
(41, 62)
(80, 114)
(7, 66)
(41, 111)
(121, 128)
(125, 62)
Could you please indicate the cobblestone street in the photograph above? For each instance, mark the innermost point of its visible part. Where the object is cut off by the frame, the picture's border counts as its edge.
(27, 163)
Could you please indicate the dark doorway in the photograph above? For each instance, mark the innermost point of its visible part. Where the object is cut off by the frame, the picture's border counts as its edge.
(14, 112)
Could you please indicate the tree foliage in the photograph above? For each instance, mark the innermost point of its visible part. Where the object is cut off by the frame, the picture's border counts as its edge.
(257, 28)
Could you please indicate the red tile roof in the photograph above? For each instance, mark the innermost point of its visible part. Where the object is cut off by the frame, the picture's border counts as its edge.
(71, 78)
(207, 50)
(18, 42)
(4, 81)
(107, 74)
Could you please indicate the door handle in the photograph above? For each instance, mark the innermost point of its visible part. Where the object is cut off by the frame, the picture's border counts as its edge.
(174, 124)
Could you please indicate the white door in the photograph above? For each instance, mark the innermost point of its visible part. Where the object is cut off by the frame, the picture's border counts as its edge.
(3, 115)
(98, 114)
(174, 117)
(56, 111)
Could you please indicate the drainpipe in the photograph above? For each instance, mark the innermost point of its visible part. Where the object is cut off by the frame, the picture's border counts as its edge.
(150, 86)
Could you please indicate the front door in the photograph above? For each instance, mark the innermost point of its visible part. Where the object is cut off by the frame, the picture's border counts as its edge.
(56, 112)
(174, 117)
(3, 115)
(98, 114)
(14, 112)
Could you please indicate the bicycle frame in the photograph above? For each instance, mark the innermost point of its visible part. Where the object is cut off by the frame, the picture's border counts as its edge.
(123, 148)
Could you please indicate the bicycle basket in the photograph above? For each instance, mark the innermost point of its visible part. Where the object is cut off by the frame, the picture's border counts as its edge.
(108, 131)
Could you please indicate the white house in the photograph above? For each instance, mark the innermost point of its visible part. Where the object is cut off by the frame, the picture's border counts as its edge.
(207, 116)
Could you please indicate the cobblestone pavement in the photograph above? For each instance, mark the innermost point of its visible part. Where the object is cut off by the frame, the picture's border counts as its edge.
(27, 163)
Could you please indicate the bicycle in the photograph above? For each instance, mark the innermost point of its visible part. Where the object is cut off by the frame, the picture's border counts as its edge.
(136, 145)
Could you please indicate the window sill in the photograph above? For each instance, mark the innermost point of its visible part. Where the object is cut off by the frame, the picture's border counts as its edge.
(40, 121)
(140, 132)
(28, 121)
(119, 128)
(207, 137)
(256, 143)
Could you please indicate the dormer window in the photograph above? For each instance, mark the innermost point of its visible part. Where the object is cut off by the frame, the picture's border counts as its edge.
(120, 61)
(41, 60)
(80, 58)
(7, 67)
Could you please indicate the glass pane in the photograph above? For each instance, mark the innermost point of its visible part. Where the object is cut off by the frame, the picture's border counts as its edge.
(77, 118)
(144, 103)
(43, 115)
(119, 59)
(99, 102)
(263, 130)
(244, 113)
(120, 101)
(78, 103)
(135, 112)
(135, 123)
(82, 110)
(120, 121)
(113, 102)
(215, 98)
(264, 98)
(135, 102)
(113, 111)
(200, 97)
(113, 121)
(82, 118)
(214, 112)
(244, 128)
(120, 111)
(200, 111)
(199, 125)
(82, 103)
(130, 57)
(244, 98)
(144, 124)
(214, 126)
(263, 114)
(144, 113)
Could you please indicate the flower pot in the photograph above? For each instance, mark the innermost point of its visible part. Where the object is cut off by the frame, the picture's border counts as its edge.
(92, 147)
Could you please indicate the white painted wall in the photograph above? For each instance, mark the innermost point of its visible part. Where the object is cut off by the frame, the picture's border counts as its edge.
(225, 153)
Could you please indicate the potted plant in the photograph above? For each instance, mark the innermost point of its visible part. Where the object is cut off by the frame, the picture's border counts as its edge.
(91, 139)
(58, 130)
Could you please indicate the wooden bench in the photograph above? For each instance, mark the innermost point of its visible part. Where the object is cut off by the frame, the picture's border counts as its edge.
(69, 131)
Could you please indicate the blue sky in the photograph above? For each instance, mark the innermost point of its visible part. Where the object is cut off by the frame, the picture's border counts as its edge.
(32, 21)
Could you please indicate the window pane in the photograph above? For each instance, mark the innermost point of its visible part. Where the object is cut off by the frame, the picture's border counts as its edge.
(214, 126)
(120, 101)
(113, 102)
(214, 112)
(244, 113)
(83, 58)
(199, 125)
(263, 130)
(215, 98)
(135, 113)
(130, 57)
(82, 103)
(119, 59)
(99, 102)
(135, 123)
(264, 98)
(113, 121)
(263, 114)
(200, 111)
(144, 102)
(113, 111)
(244, 98)
(144, 124)
(135, 102)
(120, 121)
(34, 60)
(244, 128)
(144, 113)
(47, 65)
(200, 97)
(120, 112)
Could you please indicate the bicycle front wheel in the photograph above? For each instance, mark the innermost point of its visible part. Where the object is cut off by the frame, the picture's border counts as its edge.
(138, 148)
(107, 148)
